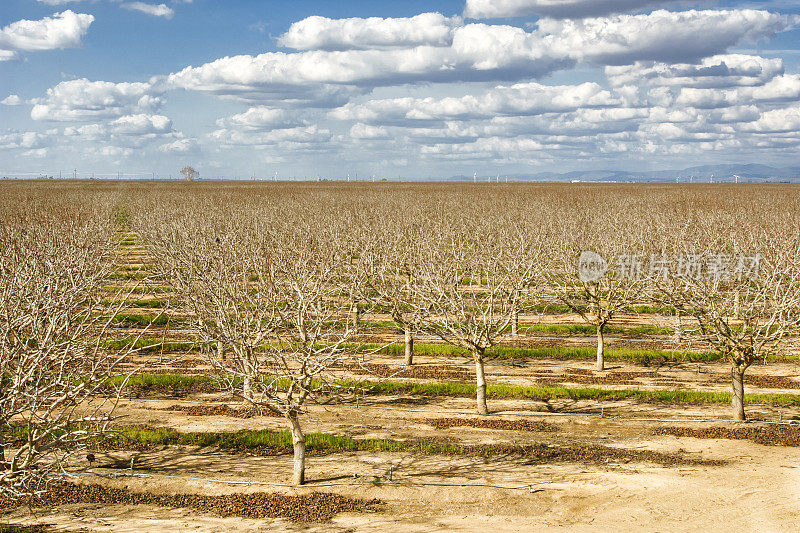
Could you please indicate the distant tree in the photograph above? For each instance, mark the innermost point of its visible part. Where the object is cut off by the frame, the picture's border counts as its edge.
(189, 173)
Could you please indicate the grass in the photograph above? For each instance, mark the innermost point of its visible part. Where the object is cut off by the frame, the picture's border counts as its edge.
(144, 344)
(12, 528)
(133, 320)
(496, 391)
(583, 393)
(140, 304)
(588, 329)
(266, 442)
(164, 381)
(137, 290)
(515, 352)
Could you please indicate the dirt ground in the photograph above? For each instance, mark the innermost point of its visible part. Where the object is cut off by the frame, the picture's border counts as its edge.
(754, 488)
(757, 489)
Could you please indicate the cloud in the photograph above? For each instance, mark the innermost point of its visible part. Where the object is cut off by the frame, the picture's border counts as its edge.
(716, 71)
(320, 33)
(662, 36)
(524, 99)
(62, 30)
(180, 146)
(24, 140)
(367, 132)
(481, 52)
(484, 9)
(478, 53)
(141, 124)
(58, 2)
(777, 121)
(784, 88)
(262, 118)
(301, 135)
(156, 10)
(11, 100)
(84, 100)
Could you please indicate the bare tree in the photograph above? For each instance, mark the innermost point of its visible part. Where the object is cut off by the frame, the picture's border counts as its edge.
(189, 173)
(393, 283)
(601, 271)
(470, 284)
(55, 396)
(274, 296)
(741, 297)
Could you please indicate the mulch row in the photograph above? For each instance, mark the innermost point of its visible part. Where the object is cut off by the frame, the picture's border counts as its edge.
(772, 436)
(313, 507)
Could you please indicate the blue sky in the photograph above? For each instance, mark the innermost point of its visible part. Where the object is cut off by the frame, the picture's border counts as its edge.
(421, 89)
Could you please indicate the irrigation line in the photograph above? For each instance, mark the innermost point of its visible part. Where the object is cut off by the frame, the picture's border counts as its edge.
(528, 486)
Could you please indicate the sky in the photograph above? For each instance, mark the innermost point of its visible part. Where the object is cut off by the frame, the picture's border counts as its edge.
(412, 89)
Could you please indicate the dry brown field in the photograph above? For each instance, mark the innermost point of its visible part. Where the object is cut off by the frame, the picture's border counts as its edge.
(648, 443)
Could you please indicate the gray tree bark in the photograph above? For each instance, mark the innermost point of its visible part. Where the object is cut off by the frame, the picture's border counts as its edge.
(299, 445)
(601, 347)
(480, 376)
(409, 347)
(737, 398)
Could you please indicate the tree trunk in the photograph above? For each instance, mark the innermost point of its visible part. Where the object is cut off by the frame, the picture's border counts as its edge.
(299, 444)
(221, 350)
(247, 388)
(480, 376)
(515, 322)
(409, 347)
(301, 326)
(356, 314)
(601, 347)
(737, 398)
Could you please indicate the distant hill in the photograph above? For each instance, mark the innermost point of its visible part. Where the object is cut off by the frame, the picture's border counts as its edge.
(723, 173)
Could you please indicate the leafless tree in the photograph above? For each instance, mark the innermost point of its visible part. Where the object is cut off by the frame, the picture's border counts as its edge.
(189, 173)
(274, 295)
(470, 284)
(395, 273)
(739, 294)
(601, 270)
(55, 396)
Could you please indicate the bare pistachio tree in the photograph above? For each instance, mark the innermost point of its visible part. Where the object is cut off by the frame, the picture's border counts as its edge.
(740, 297)
(275, 296)
(55, 394)
(601, 272)
(393, 283)
(470, 284)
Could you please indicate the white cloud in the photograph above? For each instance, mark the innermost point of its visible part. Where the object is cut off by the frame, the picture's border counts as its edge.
(515, 100)
(12, 100)
(26, 139)
(180, 146)
(778, 121)
(262, 118)
(481, 9)
(713, 72)
(141, 124)
(84, 100)
(367, 132)
(156, 10)
(321, 33)
(58, 2)
(302, 135)
(660, 36)
(784, 88)
(481, 52)
(62, 30)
